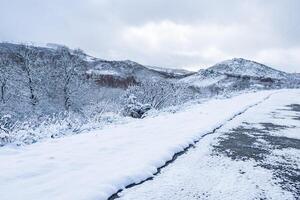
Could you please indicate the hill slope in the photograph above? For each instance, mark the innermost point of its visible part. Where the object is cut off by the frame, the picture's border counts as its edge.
(243, 67)
(240, 74)
(47, 80)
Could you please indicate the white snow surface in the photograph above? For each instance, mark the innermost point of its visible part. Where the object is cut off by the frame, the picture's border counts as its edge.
(102, 72)
(97, 164)
(202, 81)
(199, 175)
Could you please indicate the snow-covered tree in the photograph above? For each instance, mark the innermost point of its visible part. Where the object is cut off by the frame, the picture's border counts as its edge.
(70, 67)
(28, 58)
(157, 95)
(133, 108)
(5, 64)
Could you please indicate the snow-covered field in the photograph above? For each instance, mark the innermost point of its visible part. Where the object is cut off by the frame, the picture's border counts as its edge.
(97, 164)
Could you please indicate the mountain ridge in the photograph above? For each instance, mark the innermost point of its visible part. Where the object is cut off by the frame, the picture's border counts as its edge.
(240, 74)
(241, 66)
(50, 80)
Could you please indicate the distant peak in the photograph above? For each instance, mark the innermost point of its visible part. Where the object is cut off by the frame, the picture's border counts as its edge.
(244, 67)
(130, 62)
(54, 45)
(240, 59)
(236, 60)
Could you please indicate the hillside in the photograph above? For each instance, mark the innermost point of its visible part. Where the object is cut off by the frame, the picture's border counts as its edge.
(53, 79)
(71, 91)
(240, 74)
(123, 73)
(243, 67)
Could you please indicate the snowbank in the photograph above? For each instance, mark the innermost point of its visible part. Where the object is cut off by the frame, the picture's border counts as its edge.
(96, 165)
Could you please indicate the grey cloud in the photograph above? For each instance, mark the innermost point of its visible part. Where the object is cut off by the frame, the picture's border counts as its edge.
(113, 29)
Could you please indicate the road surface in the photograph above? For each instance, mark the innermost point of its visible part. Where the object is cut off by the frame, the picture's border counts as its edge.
(254, 156)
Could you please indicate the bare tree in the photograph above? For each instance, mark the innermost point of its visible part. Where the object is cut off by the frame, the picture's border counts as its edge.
(5, 63)
(28, 57)
(70, 63)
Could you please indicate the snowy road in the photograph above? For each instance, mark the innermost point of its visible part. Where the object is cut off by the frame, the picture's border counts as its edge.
(254, 156)
(97, 164)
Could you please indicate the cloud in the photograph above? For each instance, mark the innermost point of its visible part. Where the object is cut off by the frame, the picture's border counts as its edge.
(176, 44)
(191, 34)
(278, 58)
(200, 44)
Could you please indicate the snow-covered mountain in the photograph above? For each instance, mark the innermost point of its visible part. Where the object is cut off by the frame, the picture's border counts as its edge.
(55, 78)
(122, 73)
(125, 73)
(175, 73)
(240, 74)
(243, 67)
(51, 79)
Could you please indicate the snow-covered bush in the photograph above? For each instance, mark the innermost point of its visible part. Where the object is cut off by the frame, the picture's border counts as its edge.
(154, 95)
(6, 126)
(133, 108)
(55, 126)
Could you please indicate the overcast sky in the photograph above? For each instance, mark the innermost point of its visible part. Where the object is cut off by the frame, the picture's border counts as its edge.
(189, 34)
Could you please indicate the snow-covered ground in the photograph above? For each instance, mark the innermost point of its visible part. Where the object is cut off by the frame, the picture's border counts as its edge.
(97, 164)
(102, 72)
(254, 156)
(199, 80)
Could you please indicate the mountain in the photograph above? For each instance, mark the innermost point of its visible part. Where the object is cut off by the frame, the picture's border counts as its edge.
(125, 73)
(54, 79)
(240, 74)
(173, 73)
(243, 67)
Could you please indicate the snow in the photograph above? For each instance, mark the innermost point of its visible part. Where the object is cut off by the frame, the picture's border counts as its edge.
(199, 175)
(281, 115)
(130, 62)
(102, 72)
(203, 81)
(240, 66)
(97, 164)
(90, 58)
(170, 70)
